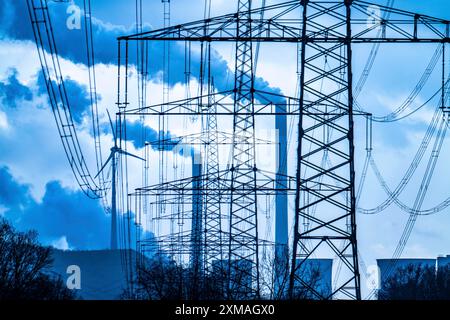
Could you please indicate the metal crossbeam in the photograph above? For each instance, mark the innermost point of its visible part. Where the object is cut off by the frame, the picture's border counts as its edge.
(266, 183)
(282, 25)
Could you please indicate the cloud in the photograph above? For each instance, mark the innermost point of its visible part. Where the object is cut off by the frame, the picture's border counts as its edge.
(71, 45)
(3, 121)
(60, 213)
(12, 193)
(15, 24)
(69, 213)
(77, 95)
(63, 217)
(11, 90)
(61, 243)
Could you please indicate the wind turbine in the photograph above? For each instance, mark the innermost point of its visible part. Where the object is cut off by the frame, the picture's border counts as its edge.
(112, 157)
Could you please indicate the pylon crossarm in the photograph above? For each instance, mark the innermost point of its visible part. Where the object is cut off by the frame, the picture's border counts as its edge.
(282, 24)
(223, 138)
(267, 183)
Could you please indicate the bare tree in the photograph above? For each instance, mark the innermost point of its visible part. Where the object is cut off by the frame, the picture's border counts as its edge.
(163, 279)
(23, 266)
(160, 279)
(275, 275)
(417, 282)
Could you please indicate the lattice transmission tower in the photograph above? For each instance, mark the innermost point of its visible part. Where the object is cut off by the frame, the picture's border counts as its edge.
(324, 223)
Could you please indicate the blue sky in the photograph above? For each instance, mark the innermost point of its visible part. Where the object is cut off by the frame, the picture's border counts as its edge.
(37, 189)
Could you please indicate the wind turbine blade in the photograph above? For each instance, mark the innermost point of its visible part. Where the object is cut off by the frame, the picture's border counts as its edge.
(109, 159)
(112, 127)
(129, 154)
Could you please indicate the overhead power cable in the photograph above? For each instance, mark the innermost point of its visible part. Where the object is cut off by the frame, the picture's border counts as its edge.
(396, 114)
(420, 197)
(372, 55)
(58, 98)
(393, 195)
(89, 38)
(411, 169)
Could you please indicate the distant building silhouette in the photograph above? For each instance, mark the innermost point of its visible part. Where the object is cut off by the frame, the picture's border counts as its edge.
(443, 261)
(388, 267)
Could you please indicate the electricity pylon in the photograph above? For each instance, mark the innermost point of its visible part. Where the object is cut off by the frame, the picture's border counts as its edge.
(243, 226)
(326, 31)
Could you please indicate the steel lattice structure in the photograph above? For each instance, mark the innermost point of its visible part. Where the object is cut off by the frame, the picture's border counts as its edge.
(243, 226)
(324, 220)
(214, 239)
(331, 190)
